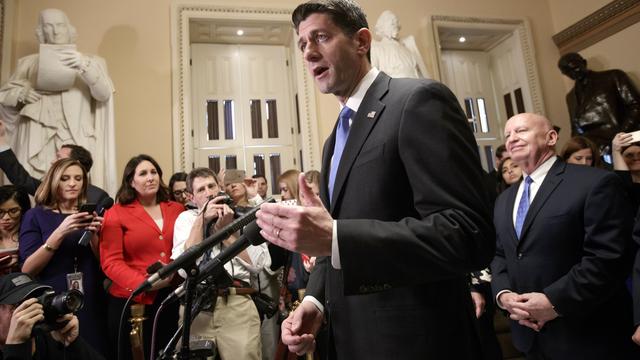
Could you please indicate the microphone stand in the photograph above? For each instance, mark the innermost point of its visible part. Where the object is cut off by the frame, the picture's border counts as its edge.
(194, 310)
(190, 286)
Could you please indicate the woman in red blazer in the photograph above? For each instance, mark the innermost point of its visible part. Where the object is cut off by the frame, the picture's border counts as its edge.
(137, 232)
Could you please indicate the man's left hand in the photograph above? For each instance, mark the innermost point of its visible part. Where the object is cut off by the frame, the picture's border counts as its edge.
(539, 307)
(307, 228)
(69, 333)
(479, 303)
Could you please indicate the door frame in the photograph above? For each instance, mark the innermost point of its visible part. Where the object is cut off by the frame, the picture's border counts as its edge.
(182, 11)
(521, 30)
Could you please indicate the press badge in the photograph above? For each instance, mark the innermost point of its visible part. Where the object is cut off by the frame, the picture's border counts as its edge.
(74, 282)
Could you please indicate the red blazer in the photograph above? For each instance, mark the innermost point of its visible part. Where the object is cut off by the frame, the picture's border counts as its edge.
(130, 241)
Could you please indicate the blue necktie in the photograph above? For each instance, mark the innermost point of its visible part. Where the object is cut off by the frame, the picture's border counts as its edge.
(342, 132)
(523, 206)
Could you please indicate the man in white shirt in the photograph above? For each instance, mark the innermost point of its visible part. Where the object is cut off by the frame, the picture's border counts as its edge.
(563, 252)
(234, 324)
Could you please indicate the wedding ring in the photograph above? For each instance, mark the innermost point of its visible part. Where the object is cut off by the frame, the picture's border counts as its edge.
(278, 233)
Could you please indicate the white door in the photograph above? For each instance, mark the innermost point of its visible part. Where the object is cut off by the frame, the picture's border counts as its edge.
(510, 78)
(242, 109)
(466, 73)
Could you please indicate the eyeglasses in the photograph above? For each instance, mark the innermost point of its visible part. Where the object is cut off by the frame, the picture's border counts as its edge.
(13, 212)
(178, 193)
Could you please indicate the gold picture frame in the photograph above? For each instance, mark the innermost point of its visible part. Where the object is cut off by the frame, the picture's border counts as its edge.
(602, 23)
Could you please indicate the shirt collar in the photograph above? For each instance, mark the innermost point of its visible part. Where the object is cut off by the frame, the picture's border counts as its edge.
(541, 171)
(354, 101)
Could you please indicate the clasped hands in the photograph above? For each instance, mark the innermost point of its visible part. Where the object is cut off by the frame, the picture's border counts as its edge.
(532, 310)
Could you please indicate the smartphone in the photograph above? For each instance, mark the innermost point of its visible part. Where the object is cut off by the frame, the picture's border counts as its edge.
(87, 207)
(6, 259)
(635, 136)
(90, 208)
(233, 176)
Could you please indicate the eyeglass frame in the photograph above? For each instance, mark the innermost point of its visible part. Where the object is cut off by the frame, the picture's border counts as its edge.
(177, 193)
(13, 212)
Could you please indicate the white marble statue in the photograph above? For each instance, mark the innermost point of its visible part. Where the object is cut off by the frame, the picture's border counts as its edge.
(397, 58)
(60, 96)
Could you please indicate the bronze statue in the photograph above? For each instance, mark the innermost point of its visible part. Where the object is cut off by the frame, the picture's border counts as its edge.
(601, 103)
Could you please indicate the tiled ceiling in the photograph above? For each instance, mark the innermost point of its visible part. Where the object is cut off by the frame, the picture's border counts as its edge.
(225, 32)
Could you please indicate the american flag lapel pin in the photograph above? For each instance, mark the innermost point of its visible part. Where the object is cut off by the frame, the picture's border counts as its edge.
(371, 114)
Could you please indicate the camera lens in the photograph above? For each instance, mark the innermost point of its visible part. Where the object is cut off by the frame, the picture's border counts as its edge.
(68, 302)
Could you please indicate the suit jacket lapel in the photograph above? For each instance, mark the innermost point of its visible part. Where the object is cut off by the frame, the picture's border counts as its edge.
(327, 152)
(550, 183)
(138, 212)
(364, 121)
(508, 214)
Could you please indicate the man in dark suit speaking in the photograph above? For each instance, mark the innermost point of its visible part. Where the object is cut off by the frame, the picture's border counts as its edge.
(563, 252)
(405, 215)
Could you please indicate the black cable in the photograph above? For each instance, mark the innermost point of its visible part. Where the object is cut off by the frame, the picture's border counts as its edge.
(153, 331)
(124, 309)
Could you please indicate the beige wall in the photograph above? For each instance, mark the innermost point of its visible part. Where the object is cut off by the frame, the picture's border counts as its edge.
(134, 38)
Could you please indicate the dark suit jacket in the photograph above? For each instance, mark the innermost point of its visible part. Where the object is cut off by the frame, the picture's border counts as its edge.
(413, 221)
(574, 248)
(19, 176)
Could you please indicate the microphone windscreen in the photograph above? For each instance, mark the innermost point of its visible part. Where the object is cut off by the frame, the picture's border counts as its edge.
(252, 232)
(104, 204)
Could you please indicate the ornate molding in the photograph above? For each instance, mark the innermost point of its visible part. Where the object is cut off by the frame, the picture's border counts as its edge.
(523, 31)
(475, 20)
(602, 23)
(181, 12)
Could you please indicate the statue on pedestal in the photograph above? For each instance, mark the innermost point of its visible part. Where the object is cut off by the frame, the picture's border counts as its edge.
(60, 96)
(397, 58)
(601, 103)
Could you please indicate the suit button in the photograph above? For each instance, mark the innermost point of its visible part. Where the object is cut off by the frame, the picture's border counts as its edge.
(162, 254)
(160, 237)
(519, 256)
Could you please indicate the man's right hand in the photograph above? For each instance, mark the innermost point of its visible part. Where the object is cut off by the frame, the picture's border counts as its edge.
(300, 328)
(636, 336)
(507, 300)
(24, 317)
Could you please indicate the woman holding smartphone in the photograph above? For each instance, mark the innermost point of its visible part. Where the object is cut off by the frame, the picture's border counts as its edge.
(49, 247)
(138, 232)
(14, 202)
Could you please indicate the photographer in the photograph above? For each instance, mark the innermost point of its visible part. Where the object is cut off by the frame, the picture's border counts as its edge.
(20, 310)
(234, 323)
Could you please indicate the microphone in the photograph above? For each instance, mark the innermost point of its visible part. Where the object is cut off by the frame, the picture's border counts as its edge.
(193, 253)
(102, 206)
(213, 267)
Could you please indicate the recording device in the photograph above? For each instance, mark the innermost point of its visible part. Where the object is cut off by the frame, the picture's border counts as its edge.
(635, 136)
(238, 211)
(233, 176)
(225, 200)
(87, 207)
(214, 267)
(194, 252)
(103, 206)
(57, 305)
